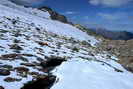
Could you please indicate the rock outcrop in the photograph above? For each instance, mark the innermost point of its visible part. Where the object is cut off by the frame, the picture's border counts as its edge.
(54, 15)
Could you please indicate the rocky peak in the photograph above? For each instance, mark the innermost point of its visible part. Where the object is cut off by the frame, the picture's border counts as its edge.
(54, 15)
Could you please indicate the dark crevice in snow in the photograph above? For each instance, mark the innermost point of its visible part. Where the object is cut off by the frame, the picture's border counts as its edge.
(41, 83)
(52, 62)
(45, 82)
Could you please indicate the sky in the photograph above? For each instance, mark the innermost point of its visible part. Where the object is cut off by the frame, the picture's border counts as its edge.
(114, 15)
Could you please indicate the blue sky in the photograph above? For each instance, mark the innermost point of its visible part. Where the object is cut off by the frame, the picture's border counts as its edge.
(109, 14)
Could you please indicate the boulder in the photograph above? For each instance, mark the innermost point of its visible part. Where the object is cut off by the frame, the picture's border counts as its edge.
(16, 47)
(21, 69)
(4, 72)
(1, 87)
(10, 79)
(41, 83)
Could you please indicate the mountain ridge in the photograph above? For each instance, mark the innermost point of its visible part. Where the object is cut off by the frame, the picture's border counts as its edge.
(107, 34)
(114, 35)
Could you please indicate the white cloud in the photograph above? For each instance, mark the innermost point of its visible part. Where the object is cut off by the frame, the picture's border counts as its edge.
(70, 12)
(113, 16)
(110, 3)
(108, 16)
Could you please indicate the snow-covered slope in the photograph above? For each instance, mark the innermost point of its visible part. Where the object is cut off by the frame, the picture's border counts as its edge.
(17, 8)
(29, 37)
(84, 74)
(40, 18)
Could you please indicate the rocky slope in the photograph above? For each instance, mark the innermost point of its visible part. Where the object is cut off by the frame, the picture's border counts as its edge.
(38, 52)
(122, 49)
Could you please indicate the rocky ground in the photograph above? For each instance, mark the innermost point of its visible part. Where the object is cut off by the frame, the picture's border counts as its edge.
(122, 49)
(29, 53)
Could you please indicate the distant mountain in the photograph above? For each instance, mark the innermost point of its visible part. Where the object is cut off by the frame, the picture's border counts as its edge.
(114, 35)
